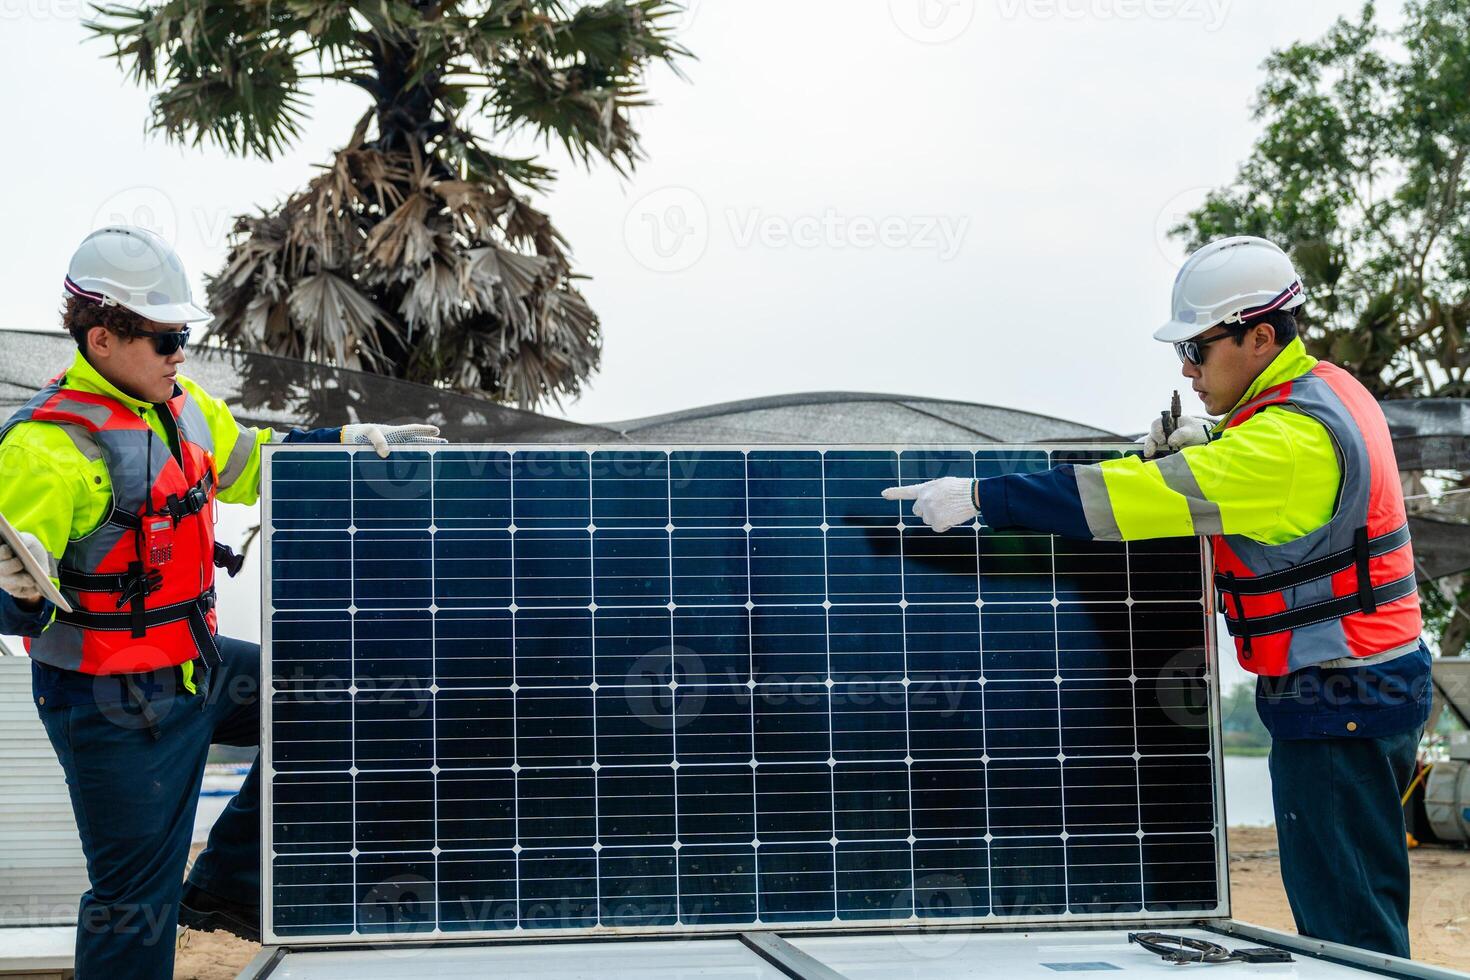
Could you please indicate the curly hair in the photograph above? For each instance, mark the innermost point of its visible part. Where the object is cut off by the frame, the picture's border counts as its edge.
(79, 315)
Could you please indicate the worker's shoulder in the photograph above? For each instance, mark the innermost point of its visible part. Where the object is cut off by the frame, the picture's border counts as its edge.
(46, 443)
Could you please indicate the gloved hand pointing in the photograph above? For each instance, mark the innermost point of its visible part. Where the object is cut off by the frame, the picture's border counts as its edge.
(13, 575)
(380, 436)
(1189, 431)
(941, 503)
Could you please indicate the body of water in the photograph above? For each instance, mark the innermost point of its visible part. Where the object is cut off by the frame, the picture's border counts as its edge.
(1248, 792)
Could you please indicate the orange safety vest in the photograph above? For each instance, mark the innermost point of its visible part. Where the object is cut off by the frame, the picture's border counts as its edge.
(141, 585)
(1346, 589)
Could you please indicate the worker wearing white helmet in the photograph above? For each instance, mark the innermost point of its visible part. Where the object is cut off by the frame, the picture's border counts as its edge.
(108, 478)
(1297, 487)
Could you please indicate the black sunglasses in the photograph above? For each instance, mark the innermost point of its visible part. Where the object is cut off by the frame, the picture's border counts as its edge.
(169, 342)
(1193, 351)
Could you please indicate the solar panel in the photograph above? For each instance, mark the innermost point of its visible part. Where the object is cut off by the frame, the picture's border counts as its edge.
(541, 690)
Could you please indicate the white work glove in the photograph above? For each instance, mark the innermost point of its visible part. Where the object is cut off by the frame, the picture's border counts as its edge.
(1190, 431)
(13, 576)
(380, 436)
(941, 503)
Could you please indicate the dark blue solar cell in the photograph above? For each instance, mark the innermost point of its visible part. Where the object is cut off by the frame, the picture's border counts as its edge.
(553, 568)
(638, 887)
(712, 645)
(635, 806)
(868, 721)
(472, 491)
(871, 801)
(630, 490)
(631, 688)
(551, 490)
(474, 648)
(394, 649)
(476, 810)
(863, 565)
(717, 884)
(311, 649)
(393, 492)
(1024, 796)
(788, 644)
(787, 565)
(951, 878)
(784, 489)
(474, 728)
(472, 569)
(631, 567)
(796, 883)
(393, 569)
(710, 566)
(793, 802)
(1022, 718)
(395, 894)
(1028, 875)
(866, 643)
(635, 725)
(716, 804)
(714, 725)
(707, 489)
(311, 569)
(853, 482)
(874, 880)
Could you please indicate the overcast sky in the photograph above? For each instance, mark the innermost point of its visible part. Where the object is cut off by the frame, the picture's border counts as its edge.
(956, 198)
(952, 198)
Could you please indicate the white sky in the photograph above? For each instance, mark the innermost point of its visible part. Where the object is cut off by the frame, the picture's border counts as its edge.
(952, 198)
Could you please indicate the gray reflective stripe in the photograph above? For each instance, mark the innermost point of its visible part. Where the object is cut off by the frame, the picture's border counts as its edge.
(59, 646)
(1204, 514)
(98, 415)
(83, 440)
(1096, 507)
(239, 457)
(193, 426)
(1377, 658)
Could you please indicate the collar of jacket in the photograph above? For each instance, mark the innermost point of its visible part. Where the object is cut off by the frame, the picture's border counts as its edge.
(82, 376)
(1292, 362)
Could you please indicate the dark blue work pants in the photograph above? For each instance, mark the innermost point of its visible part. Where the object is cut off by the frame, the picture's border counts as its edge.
(1340, 827)
(134, 799)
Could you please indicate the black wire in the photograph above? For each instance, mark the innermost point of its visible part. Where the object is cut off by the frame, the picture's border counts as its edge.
(1181, 949)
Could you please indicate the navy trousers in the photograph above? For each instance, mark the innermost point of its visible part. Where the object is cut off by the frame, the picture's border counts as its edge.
(134, 799)
(1340, 827)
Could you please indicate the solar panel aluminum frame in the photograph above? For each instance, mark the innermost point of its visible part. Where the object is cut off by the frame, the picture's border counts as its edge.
(989, 922)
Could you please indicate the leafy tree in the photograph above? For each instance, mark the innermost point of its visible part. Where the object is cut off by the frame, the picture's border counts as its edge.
(416, 252)
(1360, 173)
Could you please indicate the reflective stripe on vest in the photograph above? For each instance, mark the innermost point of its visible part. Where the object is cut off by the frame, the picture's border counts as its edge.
(136, 608)
(1346, 589)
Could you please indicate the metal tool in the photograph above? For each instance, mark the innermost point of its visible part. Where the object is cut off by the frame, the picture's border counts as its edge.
(1171, 417)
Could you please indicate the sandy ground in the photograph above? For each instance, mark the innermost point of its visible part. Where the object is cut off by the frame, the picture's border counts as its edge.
(1439, 920)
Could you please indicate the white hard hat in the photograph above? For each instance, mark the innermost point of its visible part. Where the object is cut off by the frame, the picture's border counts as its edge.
(135, 269)
(1229, 281)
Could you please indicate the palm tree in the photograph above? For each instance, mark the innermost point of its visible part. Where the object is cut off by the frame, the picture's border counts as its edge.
(415, 253)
